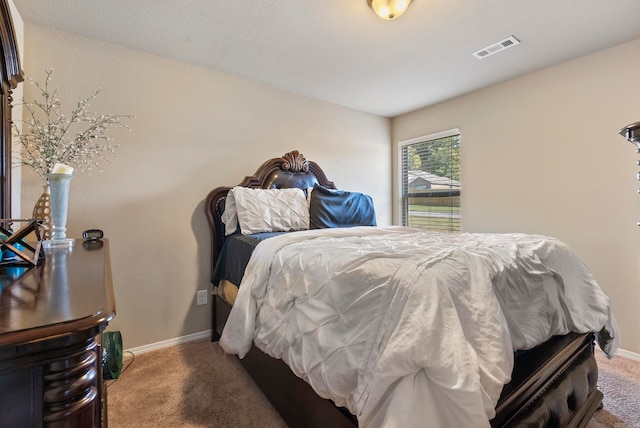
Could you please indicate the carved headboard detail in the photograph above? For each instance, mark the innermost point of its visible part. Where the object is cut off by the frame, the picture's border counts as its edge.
(289, 171)
(294, 162)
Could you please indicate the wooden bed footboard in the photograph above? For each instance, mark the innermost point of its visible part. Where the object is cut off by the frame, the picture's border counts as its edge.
(560, 392)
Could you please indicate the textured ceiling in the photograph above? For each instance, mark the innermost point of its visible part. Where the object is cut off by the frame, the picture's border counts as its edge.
(339, 51)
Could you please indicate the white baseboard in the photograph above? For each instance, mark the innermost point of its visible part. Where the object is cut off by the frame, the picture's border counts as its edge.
(628, 354)
(622, 353)
(169, 342)
(207, 333)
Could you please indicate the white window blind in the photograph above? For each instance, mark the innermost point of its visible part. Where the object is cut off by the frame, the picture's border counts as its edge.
(431, 182)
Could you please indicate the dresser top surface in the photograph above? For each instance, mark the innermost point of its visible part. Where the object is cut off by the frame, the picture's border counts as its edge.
(72, 286)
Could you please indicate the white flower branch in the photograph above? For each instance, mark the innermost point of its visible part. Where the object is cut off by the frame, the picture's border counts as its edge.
(49, 137)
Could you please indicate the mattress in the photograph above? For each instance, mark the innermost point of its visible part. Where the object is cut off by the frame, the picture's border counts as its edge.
(235, 254)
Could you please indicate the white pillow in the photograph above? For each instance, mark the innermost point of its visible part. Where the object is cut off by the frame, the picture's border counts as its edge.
(229, 216)
(309, 190)
(271, 210)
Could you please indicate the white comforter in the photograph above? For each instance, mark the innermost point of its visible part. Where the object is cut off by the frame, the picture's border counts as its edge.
(407, 328)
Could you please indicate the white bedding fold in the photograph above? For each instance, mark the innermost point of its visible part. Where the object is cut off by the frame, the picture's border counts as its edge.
(402, 326)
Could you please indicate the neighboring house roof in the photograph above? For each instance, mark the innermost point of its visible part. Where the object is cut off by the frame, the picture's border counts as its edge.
(432, 181)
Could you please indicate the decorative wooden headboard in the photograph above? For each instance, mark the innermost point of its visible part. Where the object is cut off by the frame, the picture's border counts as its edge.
(288, 171)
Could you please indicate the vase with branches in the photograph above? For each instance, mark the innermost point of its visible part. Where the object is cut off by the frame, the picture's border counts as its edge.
(48, 137)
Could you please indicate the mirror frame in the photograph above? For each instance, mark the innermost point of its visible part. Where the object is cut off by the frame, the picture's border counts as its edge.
(10, 76)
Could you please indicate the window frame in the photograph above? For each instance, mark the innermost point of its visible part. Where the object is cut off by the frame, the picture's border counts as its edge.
(400, 179)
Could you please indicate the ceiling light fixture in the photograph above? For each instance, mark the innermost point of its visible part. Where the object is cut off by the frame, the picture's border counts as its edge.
(389, 9)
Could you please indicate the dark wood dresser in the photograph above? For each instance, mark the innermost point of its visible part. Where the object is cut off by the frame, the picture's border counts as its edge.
(51, 322)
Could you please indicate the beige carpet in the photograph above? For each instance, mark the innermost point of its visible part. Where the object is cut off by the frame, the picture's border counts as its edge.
(619, 382)
(197, 385)
(191, 385)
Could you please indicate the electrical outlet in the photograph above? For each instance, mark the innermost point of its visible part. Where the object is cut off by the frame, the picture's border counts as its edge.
(201, 297)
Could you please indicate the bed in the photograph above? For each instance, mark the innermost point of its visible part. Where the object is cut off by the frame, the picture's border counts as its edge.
(548, 384)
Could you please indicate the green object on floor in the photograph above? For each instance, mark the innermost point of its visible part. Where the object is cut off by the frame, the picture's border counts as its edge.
(112, 356)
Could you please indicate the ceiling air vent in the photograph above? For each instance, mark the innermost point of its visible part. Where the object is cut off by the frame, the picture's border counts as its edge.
(496, 47)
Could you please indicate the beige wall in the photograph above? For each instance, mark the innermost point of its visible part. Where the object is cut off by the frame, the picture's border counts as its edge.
(542, 154)
(194, 130)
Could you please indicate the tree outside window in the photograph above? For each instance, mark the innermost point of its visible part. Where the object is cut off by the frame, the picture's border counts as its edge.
(431, 183)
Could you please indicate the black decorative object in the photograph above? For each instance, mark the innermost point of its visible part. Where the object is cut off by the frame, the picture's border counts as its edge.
(92, 235)
(632, 134)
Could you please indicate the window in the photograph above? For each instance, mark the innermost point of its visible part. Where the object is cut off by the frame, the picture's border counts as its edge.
(430, 168)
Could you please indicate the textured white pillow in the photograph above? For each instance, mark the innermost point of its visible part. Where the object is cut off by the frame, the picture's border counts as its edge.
(229, 216)
(271, 210)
